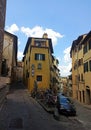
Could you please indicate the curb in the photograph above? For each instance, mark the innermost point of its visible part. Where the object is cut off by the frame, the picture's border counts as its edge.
(55, 113)
(49, 110)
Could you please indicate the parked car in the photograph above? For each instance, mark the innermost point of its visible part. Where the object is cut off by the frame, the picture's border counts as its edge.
(65, 106)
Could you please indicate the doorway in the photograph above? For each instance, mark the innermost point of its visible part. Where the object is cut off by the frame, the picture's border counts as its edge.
(88, 95)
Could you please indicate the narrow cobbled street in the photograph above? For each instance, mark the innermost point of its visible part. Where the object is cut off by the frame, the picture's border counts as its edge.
(22, 112)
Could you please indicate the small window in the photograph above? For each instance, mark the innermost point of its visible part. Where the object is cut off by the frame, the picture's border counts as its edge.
(85, 49)
(26, 62)
(33, 66)
(29, 58)
(89, 44)
(81, 77)
(39, 66)
(80, 47)
(90, 65)
(39, 78)
(38, 43)
(86, 67)
(27, 74)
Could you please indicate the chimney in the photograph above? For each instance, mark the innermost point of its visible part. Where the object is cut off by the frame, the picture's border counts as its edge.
(45, 35)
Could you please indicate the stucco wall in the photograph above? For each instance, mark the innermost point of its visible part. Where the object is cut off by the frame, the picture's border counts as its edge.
(2, 23)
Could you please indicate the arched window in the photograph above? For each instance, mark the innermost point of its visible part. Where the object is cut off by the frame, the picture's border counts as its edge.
(39, 66)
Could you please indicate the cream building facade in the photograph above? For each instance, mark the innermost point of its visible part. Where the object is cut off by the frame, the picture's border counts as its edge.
(2, 24)
(9, 56)
(80, 68)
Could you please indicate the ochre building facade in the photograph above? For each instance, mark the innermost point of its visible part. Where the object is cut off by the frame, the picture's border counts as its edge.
(38, 63)
(81, 68)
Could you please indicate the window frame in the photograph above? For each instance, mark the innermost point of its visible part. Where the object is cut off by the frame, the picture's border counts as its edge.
(90, 65)
(39, 78)
(86, 68)
(39, 56)
(89, 44)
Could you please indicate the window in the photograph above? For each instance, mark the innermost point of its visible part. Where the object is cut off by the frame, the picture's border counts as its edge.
(85, 49)
(39, 66)
(39, 56)
(29, 58)
(26, 62)
(39, 78)
(86, 67)
(40, 43)
(81, 77)
(90, 65)
(89, 44)
(27, 74)
(80, 62)
(76, 79)
(79, 47)
(5, 69)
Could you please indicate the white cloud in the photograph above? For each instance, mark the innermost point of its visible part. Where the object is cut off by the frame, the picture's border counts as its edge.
(66, 63)
(65, 69)
(20, 55)
(19, 42)
(54, 35)
(12, 29)
(67, 55)
(38, 31)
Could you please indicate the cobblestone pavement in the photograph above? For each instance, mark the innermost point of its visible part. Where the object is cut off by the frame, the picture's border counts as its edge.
(22, 112)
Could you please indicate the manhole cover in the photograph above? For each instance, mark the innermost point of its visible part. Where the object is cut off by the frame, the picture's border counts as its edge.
(16, 123)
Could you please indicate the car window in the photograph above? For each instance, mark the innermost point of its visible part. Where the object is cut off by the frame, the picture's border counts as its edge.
(63, 100)
(68, 100)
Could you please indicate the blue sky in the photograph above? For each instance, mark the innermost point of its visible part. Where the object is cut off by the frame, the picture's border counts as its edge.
(63, 20)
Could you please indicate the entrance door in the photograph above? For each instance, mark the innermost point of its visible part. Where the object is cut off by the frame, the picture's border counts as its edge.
(88, 96)
(83, 96)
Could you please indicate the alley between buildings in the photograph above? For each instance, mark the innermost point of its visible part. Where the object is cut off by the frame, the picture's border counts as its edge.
(22, 112)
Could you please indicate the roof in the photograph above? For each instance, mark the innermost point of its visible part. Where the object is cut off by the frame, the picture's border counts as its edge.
(29, 42)
(10, 34)
(87, 37)
(79, 40)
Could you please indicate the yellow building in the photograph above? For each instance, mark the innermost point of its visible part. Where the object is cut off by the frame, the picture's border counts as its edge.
(63, 84)
(80, 78)
(55, 75)
(37, 62)
(69, 85)
(19, 71)
(87, 67)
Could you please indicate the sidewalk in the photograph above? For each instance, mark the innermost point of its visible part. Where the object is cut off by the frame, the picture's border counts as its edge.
(84, 105)
(54, 111)
(48, 109)
(87, 106)
(82, 110)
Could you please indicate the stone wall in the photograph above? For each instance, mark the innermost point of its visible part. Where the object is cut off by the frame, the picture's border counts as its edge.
(2, 24)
